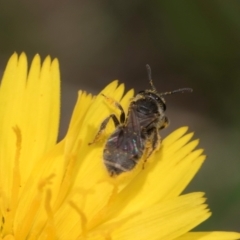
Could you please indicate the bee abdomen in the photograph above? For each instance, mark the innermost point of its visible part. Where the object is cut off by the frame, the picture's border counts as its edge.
(118, 162)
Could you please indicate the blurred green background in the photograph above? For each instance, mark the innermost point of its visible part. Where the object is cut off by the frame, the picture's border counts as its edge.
(187, 43)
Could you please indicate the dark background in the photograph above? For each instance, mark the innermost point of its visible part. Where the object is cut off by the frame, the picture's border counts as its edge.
(187, 43)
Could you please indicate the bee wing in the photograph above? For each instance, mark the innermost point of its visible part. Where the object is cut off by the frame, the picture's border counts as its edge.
(133, 122)
(127, 138)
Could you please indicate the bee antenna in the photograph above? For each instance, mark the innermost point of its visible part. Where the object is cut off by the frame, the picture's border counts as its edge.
(181, 90)
(150, 77)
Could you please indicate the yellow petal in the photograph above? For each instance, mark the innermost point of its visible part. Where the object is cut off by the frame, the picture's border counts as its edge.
(29, 119)
(164, 178)
(210, 236)
(166, 220)
(89, 157)
(63, 191)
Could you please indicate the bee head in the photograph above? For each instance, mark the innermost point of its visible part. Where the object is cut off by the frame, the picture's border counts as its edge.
(151, 100)
(154, 96)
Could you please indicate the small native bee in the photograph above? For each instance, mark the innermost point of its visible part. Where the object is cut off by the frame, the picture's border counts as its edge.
(138, 134)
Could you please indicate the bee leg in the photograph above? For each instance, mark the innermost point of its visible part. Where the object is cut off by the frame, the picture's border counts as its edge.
(117, 105)
(103, 126)
(154, 141)
(165, 123)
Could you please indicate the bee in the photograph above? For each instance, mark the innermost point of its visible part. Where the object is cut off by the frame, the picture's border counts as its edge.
(137, 134)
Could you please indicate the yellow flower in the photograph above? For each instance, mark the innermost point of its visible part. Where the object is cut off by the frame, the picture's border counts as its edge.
(51, 190)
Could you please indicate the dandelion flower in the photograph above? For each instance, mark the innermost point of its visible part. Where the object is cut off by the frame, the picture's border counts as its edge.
(51, 190)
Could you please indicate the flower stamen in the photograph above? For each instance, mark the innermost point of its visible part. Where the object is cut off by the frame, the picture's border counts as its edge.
(16, 184)
(50, 229)
(16, 171)
(24, 228)
(83, 219)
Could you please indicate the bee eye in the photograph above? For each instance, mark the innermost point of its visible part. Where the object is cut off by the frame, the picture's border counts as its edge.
(164, 107)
